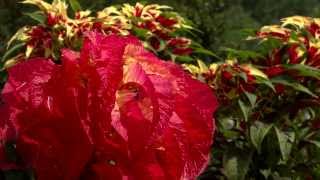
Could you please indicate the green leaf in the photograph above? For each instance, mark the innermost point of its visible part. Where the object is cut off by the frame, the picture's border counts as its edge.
(252, 98)
(200, 50)
(236, 164)
(20, 35)
(233, 53)
(243, 76)
(11, 51)
(37, 16)
(292, 84)
(184, 59)
(258, 131)
(140, 32)
(304, 70)
(244, 109)
(285, 140)
(265, 172)
(316, 143)
(75, 5)
(267, 82)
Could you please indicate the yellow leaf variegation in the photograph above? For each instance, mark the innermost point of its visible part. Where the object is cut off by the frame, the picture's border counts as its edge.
(29, 51)
(20, 35)
(213, 67)
(202, 66)
(297, 21)
(254, 71)
(42, 5)
(56, 30)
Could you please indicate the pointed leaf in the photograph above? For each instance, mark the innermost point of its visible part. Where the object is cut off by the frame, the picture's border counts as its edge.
(293, 84)
(305, 70)
(11, 51)
(184, 59)
(316, 143)
(244, 109)
(252, 98)
(37, 16)
(254, 71)
(285, 140)
(258, 131)
(267, 82)
(205, 52)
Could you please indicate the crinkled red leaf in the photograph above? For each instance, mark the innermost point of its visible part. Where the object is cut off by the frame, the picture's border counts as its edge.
(111, 111)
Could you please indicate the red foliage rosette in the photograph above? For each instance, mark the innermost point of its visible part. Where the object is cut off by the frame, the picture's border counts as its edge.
(112, 111)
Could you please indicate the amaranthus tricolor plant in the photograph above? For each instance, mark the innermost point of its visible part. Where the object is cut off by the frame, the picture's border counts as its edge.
(268, 121)
(160, 28)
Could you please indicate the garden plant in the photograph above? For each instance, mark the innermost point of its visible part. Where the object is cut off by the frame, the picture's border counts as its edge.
(128, 92)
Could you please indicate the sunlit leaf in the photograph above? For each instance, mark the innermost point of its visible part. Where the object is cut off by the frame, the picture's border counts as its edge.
(236, 164)
(75, 5)
(254, 71)
(19, 35)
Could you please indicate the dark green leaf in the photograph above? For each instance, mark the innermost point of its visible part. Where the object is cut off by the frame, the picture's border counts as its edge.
(200, 50)
(184, 59)
(305, 70)
(285, 140)
(267, 82)
(316, 143)
(37, 16)
(11, 51)
(258, 131)
(244, 109)
(292, 84)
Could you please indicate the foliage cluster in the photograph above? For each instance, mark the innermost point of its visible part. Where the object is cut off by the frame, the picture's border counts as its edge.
(266, 80)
